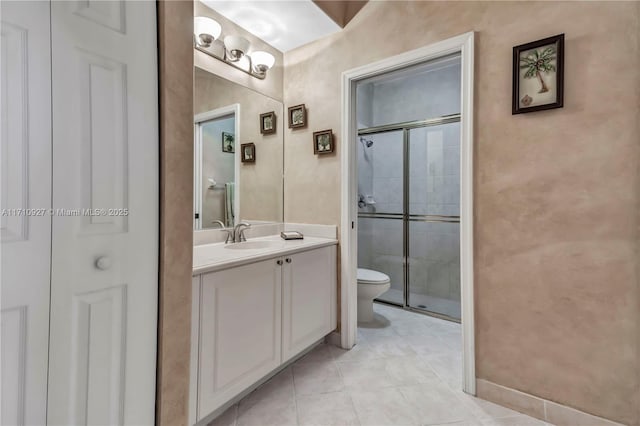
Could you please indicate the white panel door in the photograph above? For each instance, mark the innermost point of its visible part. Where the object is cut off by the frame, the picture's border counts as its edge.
(25, 183)
(104, 262)
(239, 331)
(308, 299)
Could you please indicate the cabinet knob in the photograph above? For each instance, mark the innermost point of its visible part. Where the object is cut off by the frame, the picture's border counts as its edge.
(103, 263)
(279, 262)
(288, 260)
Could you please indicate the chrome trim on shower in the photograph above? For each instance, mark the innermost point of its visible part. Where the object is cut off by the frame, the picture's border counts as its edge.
(406, 181)
(412, 217)
(408, 125)
(381, 215)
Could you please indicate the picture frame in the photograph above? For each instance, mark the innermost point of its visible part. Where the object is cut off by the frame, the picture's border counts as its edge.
(228, 142)
(323, 142)
(268, 123)
(297, 116)
(248, 153)
(538, 75)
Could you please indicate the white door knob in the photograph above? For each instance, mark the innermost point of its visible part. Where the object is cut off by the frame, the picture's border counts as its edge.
(103, 263)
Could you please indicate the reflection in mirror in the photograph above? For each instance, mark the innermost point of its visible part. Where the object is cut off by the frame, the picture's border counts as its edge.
(215, 177)
(228, 191)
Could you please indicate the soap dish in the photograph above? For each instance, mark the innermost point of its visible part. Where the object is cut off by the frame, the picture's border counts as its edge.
(291, 235)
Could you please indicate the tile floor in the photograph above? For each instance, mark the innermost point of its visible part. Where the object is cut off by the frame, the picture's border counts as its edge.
(405, 370)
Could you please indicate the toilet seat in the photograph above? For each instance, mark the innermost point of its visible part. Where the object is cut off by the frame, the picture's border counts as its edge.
(370, 277)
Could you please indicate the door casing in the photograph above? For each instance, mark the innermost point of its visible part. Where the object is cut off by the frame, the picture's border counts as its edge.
(464, 44)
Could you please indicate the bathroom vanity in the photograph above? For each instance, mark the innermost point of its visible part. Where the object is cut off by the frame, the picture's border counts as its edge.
(257, 305)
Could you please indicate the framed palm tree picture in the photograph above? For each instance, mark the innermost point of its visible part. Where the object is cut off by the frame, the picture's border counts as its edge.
(228, 142)
(538, 75)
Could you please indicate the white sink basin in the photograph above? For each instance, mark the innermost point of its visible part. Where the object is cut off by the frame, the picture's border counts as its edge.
(253, 245)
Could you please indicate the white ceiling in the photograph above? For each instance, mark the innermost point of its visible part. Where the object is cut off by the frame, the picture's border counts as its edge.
(284, 24)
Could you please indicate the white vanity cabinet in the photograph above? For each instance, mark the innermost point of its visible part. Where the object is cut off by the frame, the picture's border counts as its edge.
(249, 320)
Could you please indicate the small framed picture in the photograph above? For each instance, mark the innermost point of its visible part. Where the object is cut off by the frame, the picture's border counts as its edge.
(228, 142)
(323, 142)
(297, 116)
(538, 75)
(248, 151)
(268, 123)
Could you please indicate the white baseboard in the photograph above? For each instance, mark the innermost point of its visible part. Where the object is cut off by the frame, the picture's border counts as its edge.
(540, 408)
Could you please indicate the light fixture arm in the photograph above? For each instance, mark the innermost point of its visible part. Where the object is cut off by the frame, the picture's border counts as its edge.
(207, 32)
(226, 60)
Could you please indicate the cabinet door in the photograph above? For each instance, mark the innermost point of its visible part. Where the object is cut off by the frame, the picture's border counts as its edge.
(240, 331)
(25, 183)
(308, 299)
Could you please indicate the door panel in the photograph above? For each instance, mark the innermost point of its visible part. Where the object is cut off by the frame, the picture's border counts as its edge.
(104, 262)
(434, 219)
(308, 294)
(232, 358)
(381, 248)
(380, 173)
(25, 183)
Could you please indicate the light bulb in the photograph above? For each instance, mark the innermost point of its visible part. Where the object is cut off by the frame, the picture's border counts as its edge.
(206, 30)
(236, 47)
(262, 61)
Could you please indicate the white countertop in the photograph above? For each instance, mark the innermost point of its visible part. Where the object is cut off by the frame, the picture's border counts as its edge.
(218, 256)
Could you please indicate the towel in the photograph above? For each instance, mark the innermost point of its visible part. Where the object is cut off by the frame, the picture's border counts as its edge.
(229, 196)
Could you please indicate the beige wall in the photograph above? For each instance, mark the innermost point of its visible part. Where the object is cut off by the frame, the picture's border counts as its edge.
(270, 86)
(557, 193)
(175, 63)
(261, 191)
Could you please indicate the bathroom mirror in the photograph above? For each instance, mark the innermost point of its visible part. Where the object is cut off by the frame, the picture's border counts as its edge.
(231, 185)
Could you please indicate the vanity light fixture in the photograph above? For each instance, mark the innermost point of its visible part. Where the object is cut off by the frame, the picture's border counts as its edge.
(231, 49)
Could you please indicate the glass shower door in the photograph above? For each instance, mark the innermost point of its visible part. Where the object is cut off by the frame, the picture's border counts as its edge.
(380, 208)
(433, 244)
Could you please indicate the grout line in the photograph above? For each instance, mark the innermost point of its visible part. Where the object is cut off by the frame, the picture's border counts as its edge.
(236, 411)
(295, 396)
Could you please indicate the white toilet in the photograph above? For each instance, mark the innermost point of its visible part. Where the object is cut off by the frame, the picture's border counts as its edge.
(371, 284)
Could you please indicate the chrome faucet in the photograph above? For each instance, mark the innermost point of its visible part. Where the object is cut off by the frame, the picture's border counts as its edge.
(230, 235)
(230, 232)
(238, 232)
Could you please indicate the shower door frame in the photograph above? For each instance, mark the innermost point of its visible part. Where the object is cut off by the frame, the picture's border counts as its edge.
(406, 215)
(464, 44)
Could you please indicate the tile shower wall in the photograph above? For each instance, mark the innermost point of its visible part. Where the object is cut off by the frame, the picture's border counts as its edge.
(434, 259)
(429, 91)
(434, 170)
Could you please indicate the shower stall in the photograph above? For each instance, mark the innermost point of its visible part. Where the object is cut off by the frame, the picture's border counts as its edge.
(409, 185)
